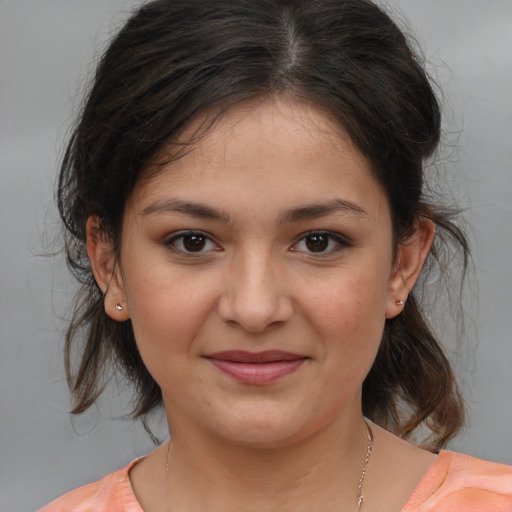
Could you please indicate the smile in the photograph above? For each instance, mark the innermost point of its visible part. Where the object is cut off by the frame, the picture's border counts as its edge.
(256, 368)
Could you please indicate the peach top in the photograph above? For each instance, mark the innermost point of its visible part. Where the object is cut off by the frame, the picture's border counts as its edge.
(454, 483)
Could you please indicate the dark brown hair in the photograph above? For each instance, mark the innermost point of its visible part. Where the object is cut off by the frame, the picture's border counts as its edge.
(175, 60)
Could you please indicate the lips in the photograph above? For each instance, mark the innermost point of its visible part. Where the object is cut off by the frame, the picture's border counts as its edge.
(256, 367)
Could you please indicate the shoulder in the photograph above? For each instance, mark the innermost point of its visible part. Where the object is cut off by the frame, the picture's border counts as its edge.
(457, 482)
(112, 492)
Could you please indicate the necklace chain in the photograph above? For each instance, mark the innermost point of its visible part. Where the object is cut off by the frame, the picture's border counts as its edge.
(360, 496)
(369, 450)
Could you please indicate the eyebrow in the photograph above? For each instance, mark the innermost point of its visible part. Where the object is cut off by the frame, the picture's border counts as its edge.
(199, 210)
(315, 210)
(203, 211)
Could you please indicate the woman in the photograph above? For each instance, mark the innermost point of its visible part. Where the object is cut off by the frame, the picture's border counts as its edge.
(244, 204)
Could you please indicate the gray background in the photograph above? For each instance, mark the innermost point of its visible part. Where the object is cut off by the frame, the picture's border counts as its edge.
(46, 49)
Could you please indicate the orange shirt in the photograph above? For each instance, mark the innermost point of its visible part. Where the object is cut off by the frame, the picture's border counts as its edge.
(454, 483)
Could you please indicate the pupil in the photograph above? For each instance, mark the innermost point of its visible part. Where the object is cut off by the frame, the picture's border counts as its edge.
(194, 243)
(317, 243)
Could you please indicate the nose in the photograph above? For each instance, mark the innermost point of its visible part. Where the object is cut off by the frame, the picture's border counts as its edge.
(255, 294)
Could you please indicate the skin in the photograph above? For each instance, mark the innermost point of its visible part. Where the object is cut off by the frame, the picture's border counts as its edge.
(297, 443)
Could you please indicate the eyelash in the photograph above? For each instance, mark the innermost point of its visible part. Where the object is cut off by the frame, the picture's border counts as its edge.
(170, 242)
(341, 243)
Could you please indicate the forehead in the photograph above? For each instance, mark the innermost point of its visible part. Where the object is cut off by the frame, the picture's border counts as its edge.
(266, 154)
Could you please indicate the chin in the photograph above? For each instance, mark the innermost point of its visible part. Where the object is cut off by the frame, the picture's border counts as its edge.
(263, 438)
(262, 428)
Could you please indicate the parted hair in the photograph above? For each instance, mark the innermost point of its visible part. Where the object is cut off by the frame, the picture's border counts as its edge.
(175, 61)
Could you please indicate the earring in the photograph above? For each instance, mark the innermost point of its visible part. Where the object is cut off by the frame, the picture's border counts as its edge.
(399, 302)
(119, 307)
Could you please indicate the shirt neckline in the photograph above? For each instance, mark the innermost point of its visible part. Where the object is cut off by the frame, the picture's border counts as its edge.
(427, 485)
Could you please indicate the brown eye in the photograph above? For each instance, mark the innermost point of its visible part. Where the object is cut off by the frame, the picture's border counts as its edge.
(194, 243)
(322, 243)
(317, 243)
(190, 242)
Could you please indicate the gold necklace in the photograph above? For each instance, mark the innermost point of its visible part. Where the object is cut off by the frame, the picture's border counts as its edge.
(369, 450)
(360, 497)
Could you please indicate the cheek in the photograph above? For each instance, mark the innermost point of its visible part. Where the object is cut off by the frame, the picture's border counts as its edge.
(167, 311)
(348, 315)
(350, 301)
(165, 335)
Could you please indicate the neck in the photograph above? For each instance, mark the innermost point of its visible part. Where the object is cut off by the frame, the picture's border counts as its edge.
(321, 472)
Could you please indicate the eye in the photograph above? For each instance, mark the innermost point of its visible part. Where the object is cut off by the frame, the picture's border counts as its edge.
(321, 242)
(191, 242)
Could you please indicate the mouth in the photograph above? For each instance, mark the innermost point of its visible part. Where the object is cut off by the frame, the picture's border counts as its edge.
(257, 367)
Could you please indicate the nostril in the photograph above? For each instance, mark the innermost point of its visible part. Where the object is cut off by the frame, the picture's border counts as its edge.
(254, 296)
(254, 319)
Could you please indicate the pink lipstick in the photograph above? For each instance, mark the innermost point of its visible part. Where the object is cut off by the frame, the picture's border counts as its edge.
(256, 367)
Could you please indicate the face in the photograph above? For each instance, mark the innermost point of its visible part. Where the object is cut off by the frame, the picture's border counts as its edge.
(257, 271)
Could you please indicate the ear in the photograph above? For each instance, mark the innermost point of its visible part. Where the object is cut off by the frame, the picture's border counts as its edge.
(106, 270)
(410, 260)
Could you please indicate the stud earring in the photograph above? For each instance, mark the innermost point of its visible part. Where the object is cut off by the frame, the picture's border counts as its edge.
(399, 302)
(119, 307)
